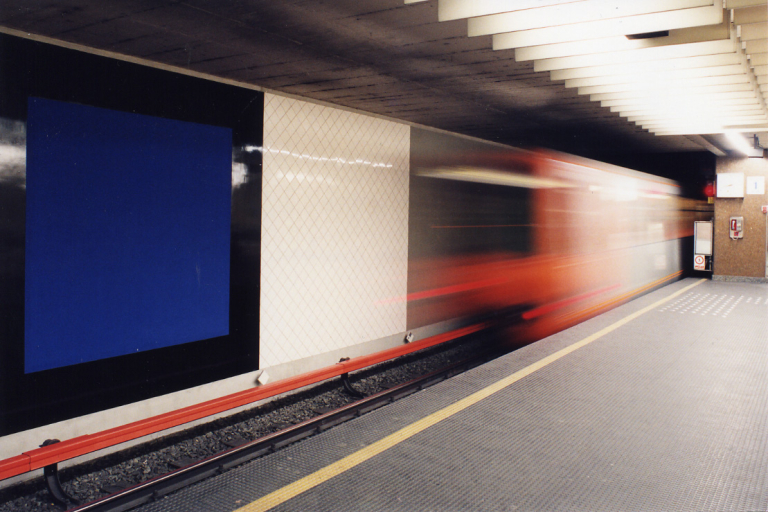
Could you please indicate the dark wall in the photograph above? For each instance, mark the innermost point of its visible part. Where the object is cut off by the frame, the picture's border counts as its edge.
(30, 69)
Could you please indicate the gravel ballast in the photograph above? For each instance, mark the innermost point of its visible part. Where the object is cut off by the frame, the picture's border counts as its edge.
(94, 479)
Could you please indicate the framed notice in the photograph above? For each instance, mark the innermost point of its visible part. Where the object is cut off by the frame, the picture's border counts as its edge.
(756, 185)
(702, 238)
(730, 184)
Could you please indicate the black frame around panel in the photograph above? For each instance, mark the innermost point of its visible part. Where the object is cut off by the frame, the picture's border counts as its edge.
(30, 68)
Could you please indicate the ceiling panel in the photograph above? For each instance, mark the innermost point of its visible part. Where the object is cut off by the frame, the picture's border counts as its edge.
(398, 60)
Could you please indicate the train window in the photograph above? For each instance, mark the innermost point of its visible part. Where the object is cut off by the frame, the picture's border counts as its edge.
(453, 218)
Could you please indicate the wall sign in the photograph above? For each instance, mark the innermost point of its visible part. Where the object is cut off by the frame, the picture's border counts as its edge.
(756, 185)
(730, 184)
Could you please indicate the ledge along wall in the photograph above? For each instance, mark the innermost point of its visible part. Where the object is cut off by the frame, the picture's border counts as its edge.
(741, 259)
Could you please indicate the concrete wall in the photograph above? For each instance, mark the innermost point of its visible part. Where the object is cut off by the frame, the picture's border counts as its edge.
(741, 259)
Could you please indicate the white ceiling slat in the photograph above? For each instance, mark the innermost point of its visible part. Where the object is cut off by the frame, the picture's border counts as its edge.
(632, 56)
(644, 109)
(738, 4)
(757, 46)
(758, 120)
(641, 95)
(707, 129)
(697, 121)
(745, 98)
(722, 59)
(754, 31)
(670, 113)
(664, 77)
(567, 14)
(739, 129)
(448, 10)
(734, 118)
(644, 23)
(641, 107)
(706, 75)
(699, 128)
(712, 80)
(750, 14)
(621, 43)
(651, 118)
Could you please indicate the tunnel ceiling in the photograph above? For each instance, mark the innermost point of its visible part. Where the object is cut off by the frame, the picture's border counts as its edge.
(379, 56)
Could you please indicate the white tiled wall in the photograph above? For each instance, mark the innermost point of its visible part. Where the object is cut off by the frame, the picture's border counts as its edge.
(334, 229)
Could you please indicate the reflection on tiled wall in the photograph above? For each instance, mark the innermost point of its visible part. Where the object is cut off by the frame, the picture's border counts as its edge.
(334, 229)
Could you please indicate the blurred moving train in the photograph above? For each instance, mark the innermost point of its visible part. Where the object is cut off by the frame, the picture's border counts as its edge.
(537, 241)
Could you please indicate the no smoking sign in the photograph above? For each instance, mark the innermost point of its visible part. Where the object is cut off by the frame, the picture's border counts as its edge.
(699, 262)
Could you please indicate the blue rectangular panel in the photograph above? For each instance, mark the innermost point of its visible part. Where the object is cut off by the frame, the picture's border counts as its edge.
(127, 233)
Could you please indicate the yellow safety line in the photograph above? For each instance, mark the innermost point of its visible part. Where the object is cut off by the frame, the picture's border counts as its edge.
(308, 482)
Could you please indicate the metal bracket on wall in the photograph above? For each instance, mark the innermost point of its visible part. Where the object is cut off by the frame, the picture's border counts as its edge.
(51, 475)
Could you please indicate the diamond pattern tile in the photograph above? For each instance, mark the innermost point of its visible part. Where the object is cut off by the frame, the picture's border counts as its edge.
(334, 229)
(715, 304)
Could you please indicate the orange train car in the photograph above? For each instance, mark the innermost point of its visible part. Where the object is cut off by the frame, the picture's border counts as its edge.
(537, 241)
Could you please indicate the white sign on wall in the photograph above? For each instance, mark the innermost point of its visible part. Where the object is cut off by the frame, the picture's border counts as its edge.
(756, 185)
(730, 184)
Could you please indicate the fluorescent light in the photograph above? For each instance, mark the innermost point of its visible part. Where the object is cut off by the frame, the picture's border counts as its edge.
(740, 142)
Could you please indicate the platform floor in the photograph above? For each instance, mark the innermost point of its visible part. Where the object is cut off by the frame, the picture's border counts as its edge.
(660, 404)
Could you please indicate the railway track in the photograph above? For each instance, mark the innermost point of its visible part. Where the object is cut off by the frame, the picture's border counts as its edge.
(163, 485)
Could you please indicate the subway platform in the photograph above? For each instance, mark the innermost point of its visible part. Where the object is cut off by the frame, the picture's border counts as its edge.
(660, 404)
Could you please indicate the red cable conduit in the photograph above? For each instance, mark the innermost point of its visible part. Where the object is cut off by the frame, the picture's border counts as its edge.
(88, 443)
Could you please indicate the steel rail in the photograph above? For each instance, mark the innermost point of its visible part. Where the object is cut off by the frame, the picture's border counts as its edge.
(162, 485)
